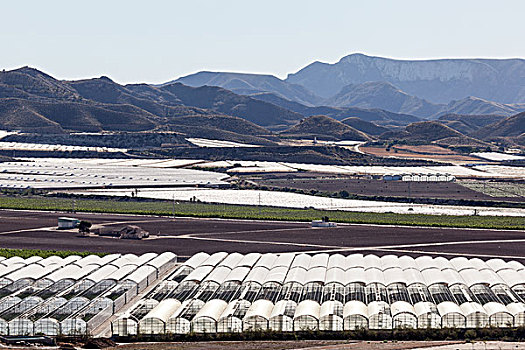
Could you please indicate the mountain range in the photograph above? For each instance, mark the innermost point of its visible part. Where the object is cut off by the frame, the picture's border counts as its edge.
(33, 101)
(439, 81)
(425, 88)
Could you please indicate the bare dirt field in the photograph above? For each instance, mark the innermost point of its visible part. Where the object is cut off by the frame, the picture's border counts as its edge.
(187, 236)
(448, 190)
(426, 152)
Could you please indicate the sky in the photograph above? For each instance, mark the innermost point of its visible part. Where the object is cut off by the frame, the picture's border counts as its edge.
(157, 41)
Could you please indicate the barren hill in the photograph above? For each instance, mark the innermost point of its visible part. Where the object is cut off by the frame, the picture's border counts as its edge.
(326, 128)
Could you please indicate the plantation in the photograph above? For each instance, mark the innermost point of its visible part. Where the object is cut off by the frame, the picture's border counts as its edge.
(26, 253)
(198, 209)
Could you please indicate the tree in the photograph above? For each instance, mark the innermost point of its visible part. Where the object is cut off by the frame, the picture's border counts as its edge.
(344, 194)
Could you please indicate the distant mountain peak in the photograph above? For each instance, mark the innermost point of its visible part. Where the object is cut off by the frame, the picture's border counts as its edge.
(32, 72)
(436, 80)
(106, 78)
(249, 84)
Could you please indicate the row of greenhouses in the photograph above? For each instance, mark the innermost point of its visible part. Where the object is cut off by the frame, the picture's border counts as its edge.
(73, 295)
(295, 292)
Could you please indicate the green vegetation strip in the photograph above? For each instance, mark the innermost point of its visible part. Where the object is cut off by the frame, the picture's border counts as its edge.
(26, 253)
(197, 209)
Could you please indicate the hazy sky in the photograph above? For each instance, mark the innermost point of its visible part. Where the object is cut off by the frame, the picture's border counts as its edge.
(156, 41)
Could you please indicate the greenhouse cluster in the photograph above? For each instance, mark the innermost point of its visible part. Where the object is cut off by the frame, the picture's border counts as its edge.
(72, 295)
(223, 293)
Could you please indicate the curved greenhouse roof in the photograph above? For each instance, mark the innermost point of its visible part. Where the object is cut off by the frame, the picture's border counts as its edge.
(302, 261)
(426, 262)
(494, 308)
(355, 307)
(197, 260)
(452, 277)
(218, 275)
(315, 274)
(336, 261)
(470, 308)
(434, 275)
(497, 264)
(355, 260)
(372, 262)
(162, 259)
(231, 260)
(461, 263)
(401, 307)
(308, 308)
(296, 274)
(284, 260)
(33, 272)
(102, 273)
(516, 265)
(260, 308)
(374, 275)
(389, 261)
(276, 275)
(139, 274)
(199, 274)
(318, 260)
(213, 309)
(395, 275)
(266, 260)
(215, 259)
(335, 275)
(73, 272)
(249, 260)
(413, 276)
(425, 307)
(121, 272)
(238, 274)
(407, 262)
(234, 293)
(355, 274)
(257, 274)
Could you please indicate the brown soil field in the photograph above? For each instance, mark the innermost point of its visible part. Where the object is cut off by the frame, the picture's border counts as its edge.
(430, 149)
(187, 236)
(447, 190)
(404, 153)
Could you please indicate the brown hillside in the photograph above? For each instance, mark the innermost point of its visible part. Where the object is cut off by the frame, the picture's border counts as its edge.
(512, 126)
(324, 127)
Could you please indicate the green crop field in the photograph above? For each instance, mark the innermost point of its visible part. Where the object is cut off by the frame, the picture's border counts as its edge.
(26, 253)
(197, 209)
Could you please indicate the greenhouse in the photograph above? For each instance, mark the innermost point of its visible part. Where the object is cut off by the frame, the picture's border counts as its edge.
(225, 293)
(154, 322)
(286, 292)
(71, 295)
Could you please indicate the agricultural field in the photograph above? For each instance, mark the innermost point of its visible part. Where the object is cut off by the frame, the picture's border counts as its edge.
(93, 173)
(187, 236)
(217, 143)
(210, 210)
(371, 187)
(293, 200)
(22, 146)
(497, 156)
(514, 190)
(426, 152)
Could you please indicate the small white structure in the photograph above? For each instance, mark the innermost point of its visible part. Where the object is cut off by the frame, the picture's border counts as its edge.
(67, 223)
